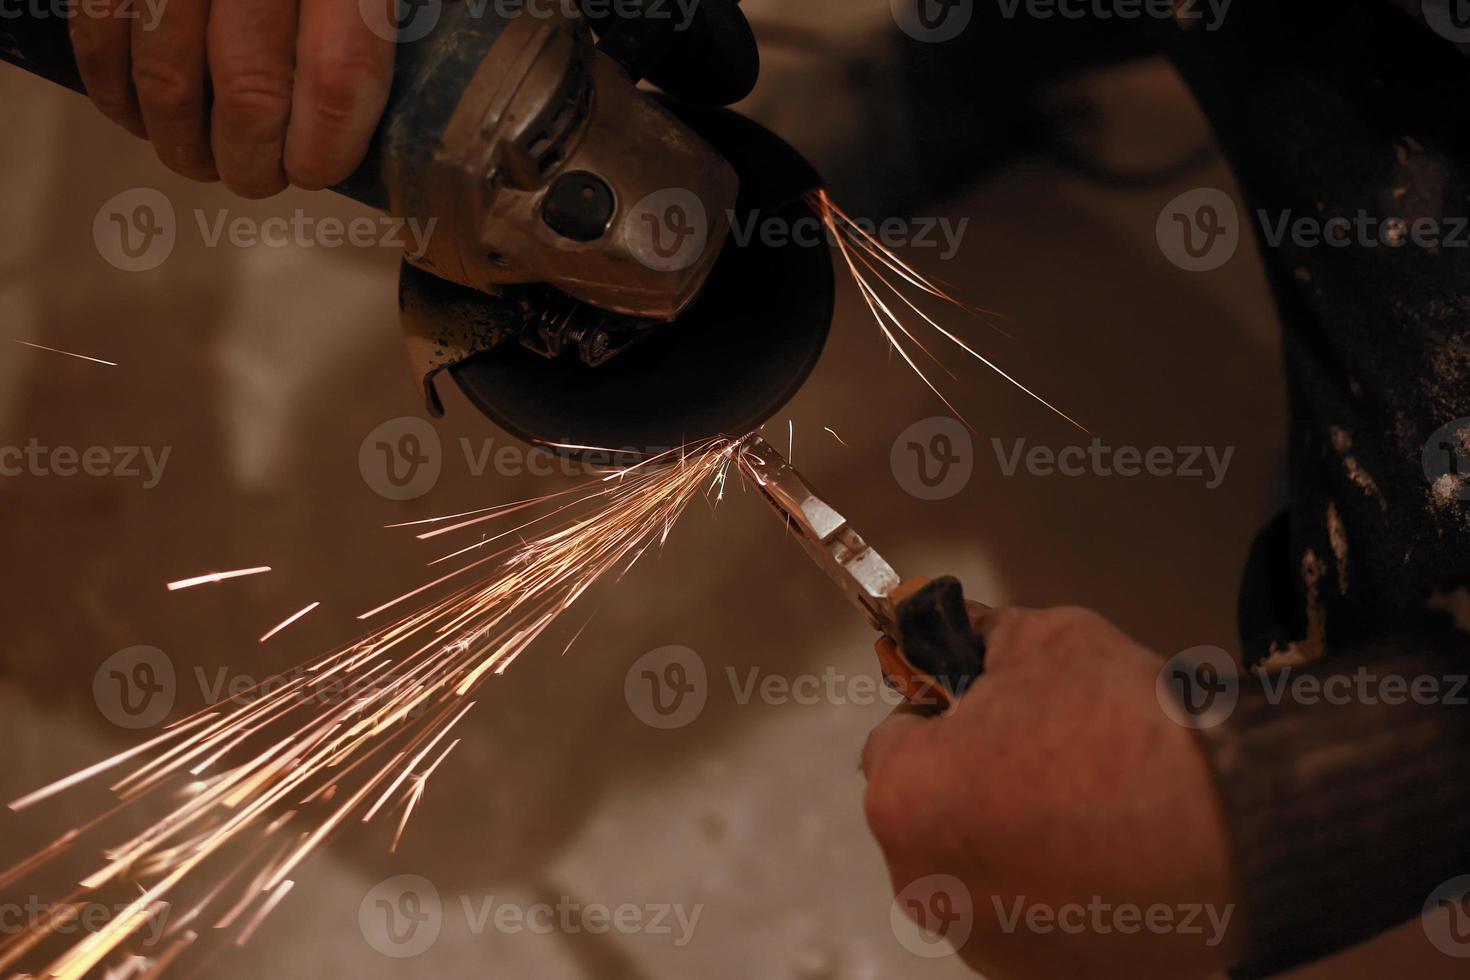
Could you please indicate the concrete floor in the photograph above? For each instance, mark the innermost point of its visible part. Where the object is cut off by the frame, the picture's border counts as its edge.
(264, 370)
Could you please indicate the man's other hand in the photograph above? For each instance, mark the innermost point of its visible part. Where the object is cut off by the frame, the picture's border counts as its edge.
(1083, 824)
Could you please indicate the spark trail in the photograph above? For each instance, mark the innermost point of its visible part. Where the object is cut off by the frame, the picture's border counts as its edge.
(893, 291)
(67, 353)
(206, 826)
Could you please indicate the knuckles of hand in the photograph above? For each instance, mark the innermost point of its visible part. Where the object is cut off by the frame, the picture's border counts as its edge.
(222, 102)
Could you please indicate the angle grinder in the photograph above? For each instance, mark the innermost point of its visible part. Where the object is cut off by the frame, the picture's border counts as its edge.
(585, 283)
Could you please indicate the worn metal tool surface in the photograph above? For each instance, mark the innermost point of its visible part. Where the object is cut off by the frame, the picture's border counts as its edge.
(935, 654)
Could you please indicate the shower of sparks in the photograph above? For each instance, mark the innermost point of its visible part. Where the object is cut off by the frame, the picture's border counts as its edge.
(54, 350)
(205, 826)
(886, 281)
(212, 577)
(288, 621)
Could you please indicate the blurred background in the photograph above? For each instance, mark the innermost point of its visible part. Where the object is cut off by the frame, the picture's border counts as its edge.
(262, 371)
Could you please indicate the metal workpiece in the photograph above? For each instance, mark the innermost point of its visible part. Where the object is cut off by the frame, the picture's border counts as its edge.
(935, 655)
(864, 576)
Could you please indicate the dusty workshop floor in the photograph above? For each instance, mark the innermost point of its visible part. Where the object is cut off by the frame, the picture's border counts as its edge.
(262, 370)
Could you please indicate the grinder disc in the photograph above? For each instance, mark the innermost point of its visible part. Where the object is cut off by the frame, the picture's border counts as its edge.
(729, 364)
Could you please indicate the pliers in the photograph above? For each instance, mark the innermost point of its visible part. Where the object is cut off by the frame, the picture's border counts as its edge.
(935, 654)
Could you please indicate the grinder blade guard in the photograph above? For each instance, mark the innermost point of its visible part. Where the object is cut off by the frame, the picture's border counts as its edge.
(670, 317)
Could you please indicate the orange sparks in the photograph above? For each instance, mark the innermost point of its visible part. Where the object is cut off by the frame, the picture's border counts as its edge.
(54, 350)
(212, 577)
(250, 788)
(288, 621)
(875, 268)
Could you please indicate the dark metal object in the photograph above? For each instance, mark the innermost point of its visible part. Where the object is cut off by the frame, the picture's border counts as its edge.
(579, 206)
(725, 368)
(481, 139)
(729, 363)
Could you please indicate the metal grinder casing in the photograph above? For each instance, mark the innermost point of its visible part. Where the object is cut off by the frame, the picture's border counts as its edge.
(538, 170)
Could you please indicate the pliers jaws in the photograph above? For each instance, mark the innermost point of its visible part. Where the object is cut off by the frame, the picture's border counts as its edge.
(935, 655)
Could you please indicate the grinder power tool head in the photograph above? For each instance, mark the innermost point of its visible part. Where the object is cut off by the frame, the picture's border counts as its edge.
(597, 275)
